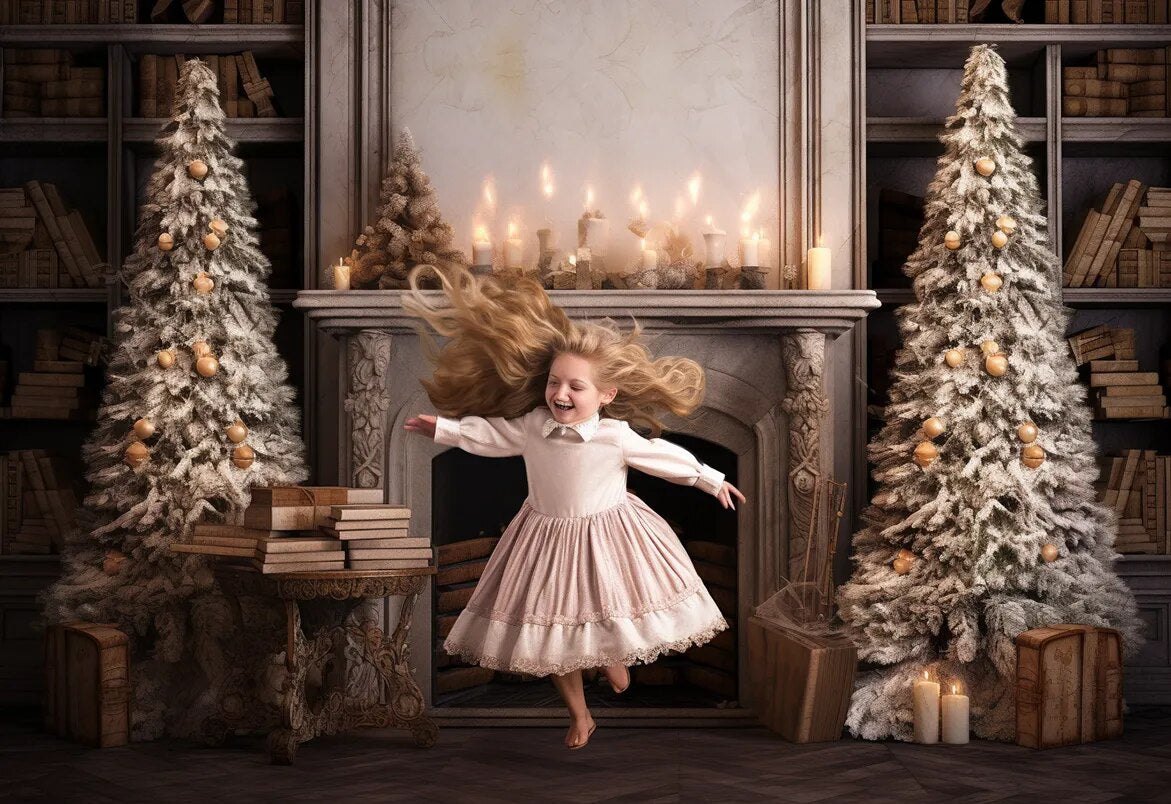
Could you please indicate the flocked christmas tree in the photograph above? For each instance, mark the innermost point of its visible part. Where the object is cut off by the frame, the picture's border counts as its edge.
(196, 410)
(410, 229)
(985, 523)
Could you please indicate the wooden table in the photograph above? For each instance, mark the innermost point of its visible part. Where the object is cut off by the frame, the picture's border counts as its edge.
(399, 702)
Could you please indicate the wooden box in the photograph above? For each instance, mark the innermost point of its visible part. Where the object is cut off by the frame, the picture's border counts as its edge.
(1069, 685)
(87, 684)
(804, 682)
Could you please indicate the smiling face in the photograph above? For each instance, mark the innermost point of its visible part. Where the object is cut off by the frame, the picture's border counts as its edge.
(570, 391)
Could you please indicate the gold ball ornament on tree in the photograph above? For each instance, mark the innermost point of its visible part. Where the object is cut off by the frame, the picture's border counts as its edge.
(165, 358)
(926, 453)
(985, 166)
(243, 456)
(219, 226)
(902, 565)
(1033, 456)
(1049, 551)
(989, 347)
(933, 427)
(991, 282)
(954, 357)
(996, 365)
(200, 348)
(207, 366)
(203, 283)
(1027, 432)
(210, 241)
(144, 428)
(136, 455)
(166, 242)
(197, 169)
(237, 432)
(1006, 224)
(999, 239)
(952, 240)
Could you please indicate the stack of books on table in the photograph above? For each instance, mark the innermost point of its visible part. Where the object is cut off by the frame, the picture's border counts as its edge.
(1136, 485)
(269, 551)
(377, 537)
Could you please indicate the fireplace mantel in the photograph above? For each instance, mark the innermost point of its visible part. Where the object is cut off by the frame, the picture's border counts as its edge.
(727, 311)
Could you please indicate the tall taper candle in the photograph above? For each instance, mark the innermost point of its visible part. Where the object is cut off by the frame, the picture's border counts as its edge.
(926, 710)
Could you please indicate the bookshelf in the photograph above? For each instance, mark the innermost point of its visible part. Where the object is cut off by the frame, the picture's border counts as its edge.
(912, 77)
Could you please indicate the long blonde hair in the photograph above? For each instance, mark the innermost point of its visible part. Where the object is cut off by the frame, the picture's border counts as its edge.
(501, 342)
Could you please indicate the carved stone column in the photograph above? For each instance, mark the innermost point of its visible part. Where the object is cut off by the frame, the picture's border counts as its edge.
(368, 357)
(805, 404)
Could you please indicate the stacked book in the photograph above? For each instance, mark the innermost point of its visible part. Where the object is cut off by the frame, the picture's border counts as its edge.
(158, 75)
(43, 82)
(908, 12)
(43, 243)
(1102, 342)
(68, 12)
(1124, 82)
(268, 551)
(39, 502)
(54, 389)
(1136, 485)
(377, 536)
(1106, 12)
(1120, 391)
(1093, 260)
(254, 12)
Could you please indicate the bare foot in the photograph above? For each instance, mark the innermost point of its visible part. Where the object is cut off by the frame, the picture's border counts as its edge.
(619, 677)
(579, 732)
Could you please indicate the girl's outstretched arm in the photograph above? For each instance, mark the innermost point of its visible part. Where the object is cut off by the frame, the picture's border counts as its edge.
(675, 464)
(492, 437)
(422, 424)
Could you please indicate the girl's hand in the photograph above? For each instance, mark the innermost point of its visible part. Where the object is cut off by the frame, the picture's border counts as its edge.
(422, 424)
(725, 495)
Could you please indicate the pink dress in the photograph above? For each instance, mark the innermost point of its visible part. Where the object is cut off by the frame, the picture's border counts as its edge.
(586, 574)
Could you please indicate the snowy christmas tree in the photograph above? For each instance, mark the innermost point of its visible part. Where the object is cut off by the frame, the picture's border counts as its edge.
(410, 229)
(196, 410)
(985, 523)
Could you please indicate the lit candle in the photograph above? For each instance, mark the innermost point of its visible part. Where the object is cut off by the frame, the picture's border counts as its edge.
(818, 263)
(750, 251)
(926, 710)
(955, 717)
(481, 247)
(341, 275)
(650, 257)
(597, 232)
(513, 247)
(714, 240)
(764, 248)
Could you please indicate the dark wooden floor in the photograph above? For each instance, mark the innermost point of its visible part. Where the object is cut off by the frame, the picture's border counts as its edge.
(637, 765)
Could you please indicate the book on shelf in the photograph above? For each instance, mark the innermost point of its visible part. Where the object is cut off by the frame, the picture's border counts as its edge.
(39, 501)
(159, 74)
(68, 12)
(66, 232)
(1128, 238)
(886, 12)
(44, 82)
(1136, 486)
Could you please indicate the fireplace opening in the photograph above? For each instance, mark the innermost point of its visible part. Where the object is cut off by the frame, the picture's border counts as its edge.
(474, 499)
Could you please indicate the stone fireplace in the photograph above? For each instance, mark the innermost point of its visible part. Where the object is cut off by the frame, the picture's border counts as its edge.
(764, 414)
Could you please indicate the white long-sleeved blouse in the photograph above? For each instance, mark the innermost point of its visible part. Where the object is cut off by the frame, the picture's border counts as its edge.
(575, 472)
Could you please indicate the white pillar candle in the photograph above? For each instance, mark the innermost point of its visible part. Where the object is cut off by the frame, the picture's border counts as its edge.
(650, 257)
(341, 275)
(926, 710)
(955, 718)
(513, 248)
(714, 241)
(546, 240)
(750, 251)
(597, 233)
(764, 248)
(481, 248)
(818, 264)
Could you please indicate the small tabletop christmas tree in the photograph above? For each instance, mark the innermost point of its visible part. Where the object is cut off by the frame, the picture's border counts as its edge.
(985, 523)
(196, 410)
(410, 230)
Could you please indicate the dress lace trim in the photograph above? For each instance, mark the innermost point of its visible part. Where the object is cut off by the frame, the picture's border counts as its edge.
(588, 617)
(644, 655)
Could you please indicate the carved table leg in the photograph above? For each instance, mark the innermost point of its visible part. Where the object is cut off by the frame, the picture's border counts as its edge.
(282, 742)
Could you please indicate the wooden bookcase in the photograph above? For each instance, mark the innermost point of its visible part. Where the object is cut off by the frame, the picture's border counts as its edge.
(101, 166)
(912, 77)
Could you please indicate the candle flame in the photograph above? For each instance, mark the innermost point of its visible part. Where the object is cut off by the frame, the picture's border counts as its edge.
(751, 207)
(636, 195)
(511, 229)
(642, 209)
(708, 220)
(489, 192)
(572, 259)
(953, 689)
(821, 241)
(481, 231)
(642, 244)
(693, 186)
(925, 674)
(546, 180)
(589, 197)
(756, 235)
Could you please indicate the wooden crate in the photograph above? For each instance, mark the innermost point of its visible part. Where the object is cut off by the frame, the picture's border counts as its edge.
(1069, 685)
(804, 681)
(87, 684)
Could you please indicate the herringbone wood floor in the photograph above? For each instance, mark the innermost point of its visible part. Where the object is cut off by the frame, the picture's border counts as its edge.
(521, 765)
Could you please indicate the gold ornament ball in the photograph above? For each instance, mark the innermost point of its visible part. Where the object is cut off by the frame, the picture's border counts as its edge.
(136, 455)
(144, 428)
(165, 358)
(1006, 223)
(237, 432)
(203, 283)
(902, 565)
(219, 226)
(985, 166)
(1049, 552)
(954, 357)
(166, 242)
(952, 240)
(243, 456)
(926, 453)
(197, 168)
(207, 366)
(1027, 432)
(999, 239)
(1032, 456)
(200, 348)
(991, 282)
(996, 365)
(933, 426)
(210, 241)
(989, 347)
(905, 553)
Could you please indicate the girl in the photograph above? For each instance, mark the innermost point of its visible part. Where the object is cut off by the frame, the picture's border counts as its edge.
(586, 575)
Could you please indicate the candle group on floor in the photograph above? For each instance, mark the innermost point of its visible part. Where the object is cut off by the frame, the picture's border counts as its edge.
(927, 707)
